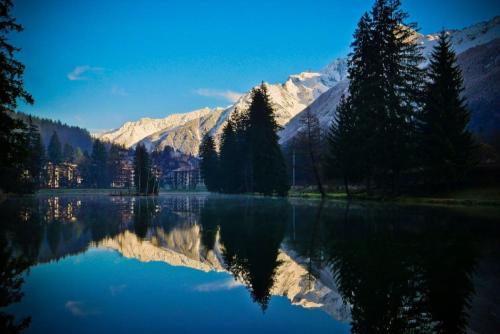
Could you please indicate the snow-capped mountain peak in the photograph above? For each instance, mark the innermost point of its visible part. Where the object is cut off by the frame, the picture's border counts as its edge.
(185, 131)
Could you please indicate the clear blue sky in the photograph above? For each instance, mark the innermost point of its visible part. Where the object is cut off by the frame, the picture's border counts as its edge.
(97, 64)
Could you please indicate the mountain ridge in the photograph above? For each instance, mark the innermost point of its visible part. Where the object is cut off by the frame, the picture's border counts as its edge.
(298, 92)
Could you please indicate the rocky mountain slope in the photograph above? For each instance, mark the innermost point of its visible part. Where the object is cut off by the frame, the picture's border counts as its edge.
(320, 92)
(478, 52)
(185, 131)
(183, 247)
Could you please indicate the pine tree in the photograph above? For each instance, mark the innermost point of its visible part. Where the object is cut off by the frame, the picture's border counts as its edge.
(98, 165)
(85, 169)
(36, 158)
(359, 111)
(343, 146)
(398, 56)
(446, 144)
(230, 166)
(243, 161)
(268, 173)
(385, 92)
(78, 155)
(13, 136)
(54, 150)
(142, 171)
(209, 164)
(68, 153)
(114, 162)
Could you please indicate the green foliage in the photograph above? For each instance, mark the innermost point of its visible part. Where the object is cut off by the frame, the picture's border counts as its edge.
(384, 94)
(115, 157)
(85, 169)
(343, 138)
(446, 145)
(13, 136)
(98, 165)
(230, 160)
(54, 149)
(68, 134)
(250, 156)
(36, 157)
(68, 153)
(144, 180)
(268, 174)
(209, 164)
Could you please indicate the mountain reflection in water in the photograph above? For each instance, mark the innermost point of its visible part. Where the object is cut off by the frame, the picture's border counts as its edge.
(381, 268)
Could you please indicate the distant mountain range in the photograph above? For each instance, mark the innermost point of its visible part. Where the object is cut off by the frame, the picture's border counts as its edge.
(477, 47)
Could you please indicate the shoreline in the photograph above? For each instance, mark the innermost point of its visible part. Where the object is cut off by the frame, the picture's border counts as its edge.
(448, 201)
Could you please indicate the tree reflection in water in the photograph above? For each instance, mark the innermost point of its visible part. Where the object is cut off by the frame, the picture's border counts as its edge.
(251, 231)
(401, 270)
(20, 237)
(397, 269)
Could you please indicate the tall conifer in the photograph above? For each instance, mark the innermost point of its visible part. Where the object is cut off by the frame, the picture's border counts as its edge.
(36, 157)
(230, 167)
(13, 135)
(268, 168)
(398, 56)
(446, 144)
(98, 159)
(343, 158)
(209, 164)
(142, 170)
(54, 149)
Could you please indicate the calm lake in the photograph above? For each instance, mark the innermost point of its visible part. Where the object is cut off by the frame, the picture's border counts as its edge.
(208, 263)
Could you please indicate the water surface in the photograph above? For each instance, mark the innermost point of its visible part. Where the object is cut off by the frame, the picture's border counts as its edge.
(195, 263)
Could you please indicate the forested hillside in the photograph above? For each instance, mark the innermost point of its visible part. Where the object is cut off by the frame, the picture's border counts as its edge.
(73, 135)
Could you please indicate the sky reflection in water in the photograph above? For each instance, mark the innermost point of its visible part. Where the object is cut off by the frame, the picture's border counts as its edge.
(215, 263)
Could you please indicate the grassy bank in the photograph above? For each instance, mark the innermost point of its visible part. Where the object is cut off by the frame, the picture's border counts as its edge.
(486, 196)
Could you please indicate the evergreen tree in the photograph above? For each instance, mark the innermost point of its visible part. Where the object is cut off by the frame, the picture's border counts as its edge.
(54, 150)
(85, 169)
(209, 164)
(446, 144)
(243, 162)
(231, 167)
(114, 162)
(68, 153)
(384, 94)
(144, 180)
(13, 136)
(358, 113)
(78, 155)
(397, 55)
(98, 165)
(343, 146)
(36, 156)
(268, 173)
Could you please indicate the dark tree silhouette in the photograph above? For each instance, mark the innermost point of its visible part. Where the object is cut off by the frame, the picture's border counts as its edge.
(36, 157)
(231, 154)
(145, 181)
(68, 153)
(343, 146)
(13, 136)
(446, 143)
(309, 142)
(209, 164)
(98, 165)
(54, 150)
(268, 173)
